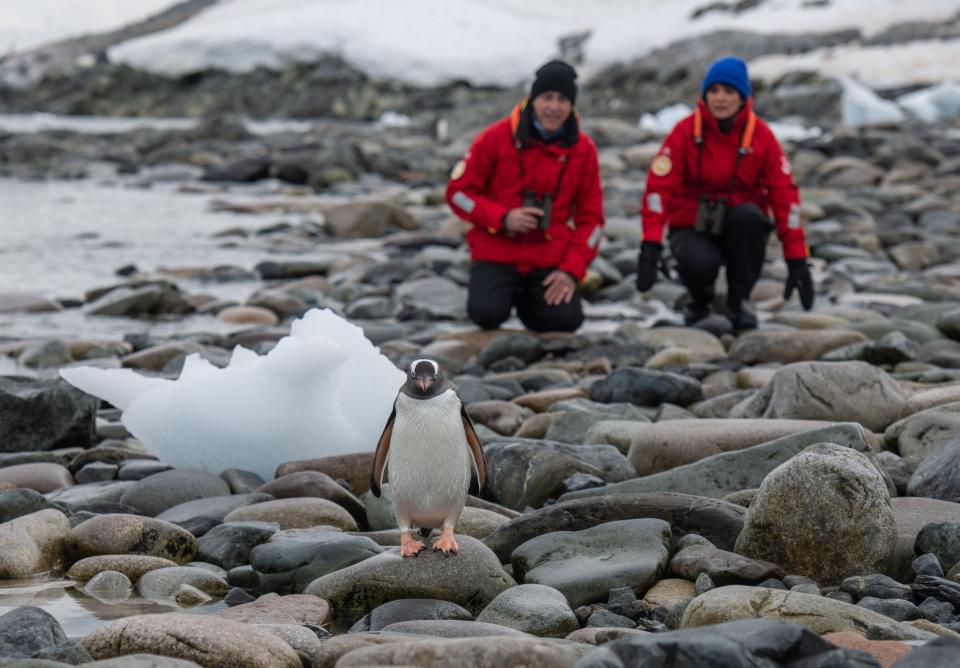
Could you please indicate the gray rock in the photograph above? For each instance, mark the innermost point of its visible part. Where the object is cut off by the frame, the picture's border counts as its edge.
(825, 514)
(720, 566)
(109, 585)
(927, 564)
(788, 346)
(130, 565)
(875, 585)
(917, 436)
(717, 520)
(31, 633)
(895, 469)
(749, 642)
(132, 534)
(431, 299)
(240, 481)
(208, 640)
(585, 565)
(153, 495)
(362, 220)
(273, 609)
(646, 387)
(453, 628)
(728, 472)
(42, 477)
(214, 507)
(941, 652)
(532, 608)
(939, 612)
(140, 661)
(80, 496)
(941, 588)
(894, 608)
(127, 301)
(938, 476)
(164, 582)
(16, 503)
(467, 652)
(410, 609)
(39, 414)
(516, 344)
(33, 544)
(229, 545)
(96, 472)
(138, 469)
(294, 559)
(912, 514)
(578, 415)
(835, 391)
(472, 579)
(941, 539)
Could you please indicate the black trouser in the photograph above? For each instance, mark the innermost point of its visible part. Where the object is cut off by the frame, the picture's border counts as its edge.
(495, 288)
(741, 246)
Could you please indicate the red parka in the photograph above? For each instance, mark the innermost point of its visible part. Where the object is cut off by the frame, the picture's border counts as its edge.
(762, 177)
(503, 163)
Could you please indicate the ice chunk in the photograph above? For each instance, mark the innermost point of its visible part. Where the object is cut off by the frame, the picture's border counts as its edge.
(663, 121)
(937, 103)
(861, 106)
(323, 390)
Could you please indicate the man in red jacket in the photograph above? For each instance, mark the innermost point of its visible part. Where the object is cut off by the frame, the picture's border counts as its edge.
(717, 181)
(530, 185)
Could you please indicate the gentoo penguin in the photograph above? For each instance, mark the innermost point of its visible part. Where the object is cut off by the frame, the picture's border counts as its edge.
(430, 448)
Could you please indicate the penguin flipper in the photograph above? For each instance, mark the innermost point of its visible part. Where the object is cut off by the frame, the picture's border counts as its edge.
(476, 448)
(380, 456)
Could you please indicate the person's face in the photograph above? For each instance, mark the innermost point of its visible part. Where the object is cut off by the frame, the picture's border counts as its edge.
(552, 109)
(723, 101)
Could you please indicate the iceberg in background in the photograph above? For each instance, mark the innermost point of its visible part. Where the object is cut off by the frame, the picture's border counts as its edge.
(323, 390)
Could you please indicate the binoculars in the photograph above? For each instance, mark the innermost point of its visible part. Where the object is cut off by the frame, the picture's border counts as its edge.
(710, 214)
(543, 202)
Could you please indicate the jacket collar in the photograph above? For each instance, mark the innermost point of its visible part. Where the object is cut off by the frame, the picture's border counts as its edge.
(521, 127)
(740, 120)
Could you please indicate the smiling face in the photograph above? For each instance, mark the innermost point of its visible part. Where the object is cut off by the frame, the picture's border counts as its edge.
(552, 109)
(723, 101)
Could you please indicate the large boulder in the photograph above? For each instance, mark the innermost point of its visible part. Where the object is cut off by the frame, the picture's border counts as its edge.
(33, 544)
(717, 475)
(472, 578)
(586, 565)
(666, 445)
(754, 642)
(32, 633)
(16, 503)
(532, 608)
(938, 476)
(825, 514)
(229, 545)
(40, 414)
(132, 534)
(833, 391)
(718, 521)
(213, 642)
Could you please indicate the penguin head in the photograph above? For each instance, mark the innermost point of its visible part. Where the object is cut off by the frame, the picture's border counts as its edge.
(424, 378)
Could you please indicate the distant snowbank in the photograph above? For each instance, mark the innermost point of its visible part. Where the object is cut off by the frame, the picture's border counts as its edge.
(31, 24)
(501, 42)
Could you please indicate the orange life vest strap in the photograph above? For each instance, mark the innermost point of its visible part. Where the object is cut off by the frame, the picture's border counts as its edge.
(746, 140)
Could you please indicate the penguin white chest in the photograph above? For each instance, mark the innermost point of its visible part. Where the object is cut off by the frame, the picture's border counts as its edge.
(429, 461)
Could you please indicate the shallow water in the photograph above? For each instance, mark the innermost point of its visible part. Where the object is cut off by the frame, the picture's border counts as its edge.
(78, 613)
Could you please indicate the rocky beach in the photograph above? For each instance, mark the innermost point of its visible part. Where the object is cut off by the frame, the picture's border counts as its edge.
(657, 495)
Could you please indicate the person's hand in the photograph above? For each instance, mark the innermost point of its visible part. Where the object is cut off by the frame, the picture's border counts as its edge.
(798, 277)
(560, 287)
(648, 264)
(522, 219)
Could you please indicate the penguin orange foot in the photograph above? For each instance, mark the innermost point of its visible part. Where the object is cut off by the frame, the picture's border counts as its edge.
(408, 546)
(446, 543)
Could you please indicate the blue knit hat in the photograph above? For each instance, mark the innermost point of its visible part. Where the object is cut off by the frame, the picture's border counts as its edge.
(730, 71)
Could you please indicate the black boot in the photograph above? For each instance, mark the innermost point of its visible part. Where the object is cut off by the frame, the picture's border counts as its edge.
(694, 312)
(742, 317)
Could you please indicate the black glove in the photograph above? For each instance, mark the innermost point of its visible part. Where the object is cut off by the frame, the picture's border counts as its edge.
(798, 277)
(648, 264)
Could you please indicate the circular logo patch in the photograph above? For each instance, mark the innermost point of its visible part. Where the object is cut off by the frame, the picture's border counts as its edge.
(661, 165)
(458, 170)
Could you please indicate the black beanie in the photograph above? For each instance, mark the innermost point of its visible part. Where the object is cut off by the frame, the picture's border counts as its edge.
(555, 75)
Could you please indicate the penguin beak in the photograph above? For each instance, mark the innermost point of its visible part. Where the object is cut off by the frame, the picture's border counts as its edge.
(424, 383)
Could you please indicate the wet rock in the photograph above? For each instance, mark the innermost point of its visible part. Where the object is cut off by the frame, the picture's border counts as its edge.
(155, 494)
(938, 476)
(229, 545)
(720, 566)
(941, 539)
(469, 653)
(896, 609)
(453, 628)
(110, 585)
(212, 507)
(410, 609)
(31, 633)
(132, 534)
(875, 585)
(16, 503)
(535, 609)
(646, 387)
(32, 544)
(834, 391)
(294, 559)
(130, 565)
(825, 513)
(164, 582)
(38, 414)
(295, 513)
(272, 609)
(585, 565)
(472, 579)
(737, 643)
(210, 641)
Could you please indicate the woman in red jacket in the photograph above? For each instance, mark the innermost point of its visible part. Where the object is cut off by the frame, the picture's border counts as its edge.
(530, 185)
(722, 183)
